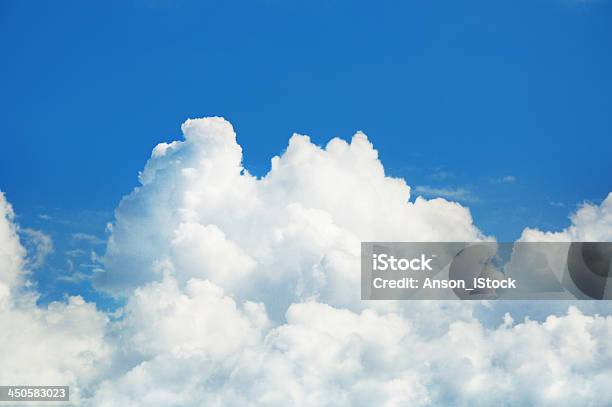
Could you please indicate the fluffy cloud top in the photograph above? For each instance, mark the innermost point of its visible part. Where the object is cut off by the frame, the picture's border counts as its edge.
(293, 234)
(245, 292)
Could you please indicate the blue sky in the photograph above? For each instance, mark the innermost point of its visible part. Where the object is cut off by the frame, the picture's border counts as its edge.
(505, 106)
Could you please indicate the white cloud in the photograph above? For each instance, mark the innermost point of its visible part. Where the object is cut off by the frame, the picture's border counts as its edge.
(507, 179)
(324, 356)
(245, 292)
(62, 344)
(459, 194)
(86, 237)
(558, 204)
(293, 234)
(75, 253)
(590, 223)
(201, 320)
(41, 246)
(12, 254)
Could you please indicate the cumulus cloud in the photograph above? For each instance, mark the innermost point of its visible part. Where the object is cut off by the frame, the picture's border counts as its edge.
(244, 291)
(292, 234)
(590, 223)
(61, 344)
(162, 318)
(325, 356)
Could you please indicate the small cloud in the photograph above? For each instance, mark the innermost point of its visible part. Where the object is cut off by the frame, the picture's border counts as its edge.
(74, 277)
(457, 194)
(89, 266)
(41, 246)
(85, 237)
(440, 175)
(81, 272)
(95, 258)
(558, 204)
(75, 253)
(44, 216)
(507, 179)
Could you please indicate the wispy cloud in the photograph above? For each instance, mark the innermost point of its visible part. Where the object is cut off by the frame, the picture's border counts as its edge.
(86, 237)
(458, 194)
(75, 253)
(506, 179)
(40, 245)
(440, 175)
(75, 277)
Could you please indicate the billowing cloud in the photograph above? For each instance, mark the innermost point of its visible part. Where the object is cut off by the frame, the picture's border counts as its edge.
(291, 235)
(244, 291)
(325, 356)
